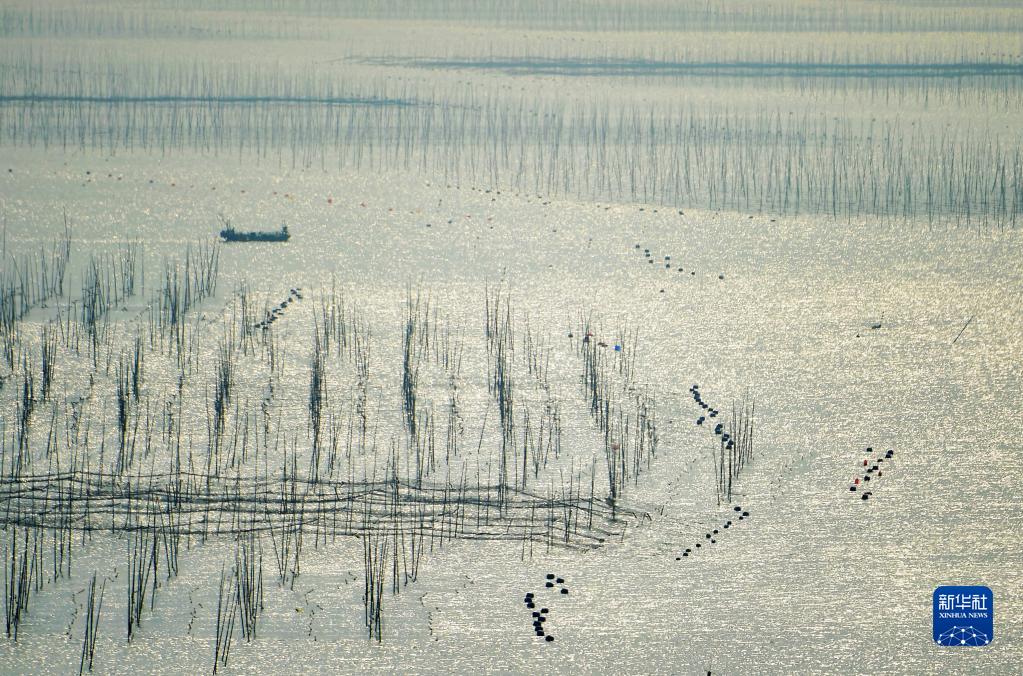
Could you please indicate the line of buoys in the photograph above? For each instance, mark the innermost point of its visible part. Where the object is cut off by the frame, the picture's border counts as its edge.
(274, 314)
(711, 412)
(712, 536)
(541, 616)
(668, 263)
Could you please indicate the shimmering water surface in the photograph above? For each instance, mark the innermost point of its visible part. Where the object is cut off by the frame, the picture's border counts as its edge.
(473, 160)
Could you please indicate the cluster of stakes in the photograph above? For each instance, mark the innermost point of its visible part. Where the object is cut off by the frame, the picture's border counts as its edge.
(278, 310)
(873, 471)
(541, 616)
(712, 536)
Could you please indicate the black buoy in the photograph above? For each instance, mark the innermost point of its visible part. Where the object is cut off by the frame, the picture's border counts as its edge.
(564, 591)
(550, 584)
(549, 639)
(561, 580)
(738, 509)
(745, 513)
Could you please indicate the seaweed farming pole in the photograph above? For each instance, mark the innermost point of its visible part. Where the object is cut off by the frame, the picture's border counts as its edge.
(92, 614)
